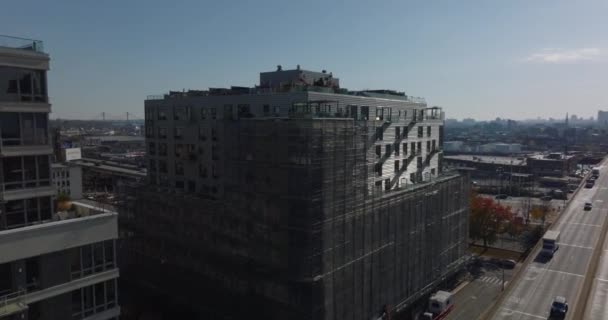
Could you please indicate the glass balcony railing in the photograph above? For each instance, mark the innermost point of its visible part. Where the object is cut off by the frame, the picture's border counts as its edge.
(21, 43)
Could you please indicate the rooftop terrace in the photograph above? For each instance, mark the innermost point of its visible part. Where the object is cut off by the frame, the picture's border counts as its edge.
(21, 43)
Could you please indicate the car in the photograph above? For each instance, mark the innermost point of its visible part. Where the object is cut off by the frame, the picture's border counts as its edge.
(508, 263)
(588, 206)
(546, 198)
(559, 307)
(589, 184)
(501, 196)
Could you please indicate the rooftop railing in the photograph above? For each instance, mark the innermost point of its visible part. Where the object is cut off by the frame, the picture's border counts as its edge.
(21, 43)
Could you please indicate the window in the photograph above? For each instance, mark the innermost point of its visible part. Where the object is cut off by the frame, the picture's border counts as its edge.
(162, 133)
(396, 149)
(202, 171)
(202, 133)
(378, 150)
(203, 113)
(179, 184)
(22, 85)
(387, 184)
(428, 147)
(152, 166)
(179, 150)
(181, 113)
(162, 149)
(419, 162)
(277, 111)
(405, 149)
(266, 109)
(428, 131)
(213, 134)
(388, 149)
(179, 169)
(433, 171)
(215, 152)
(244, 111)
(397, 132)
(26, 172)
(152, 148)
(379, 133)
(396, 165)
(434, 145)
(191, 185)
(412, 177)
(228, 111)
(378, 169)
(179, 133)
(214, 113)
(23, 128)
(413, 147)
(364, 113)
(420, 132)
(162, 166)
(162, 113)
(419, 147)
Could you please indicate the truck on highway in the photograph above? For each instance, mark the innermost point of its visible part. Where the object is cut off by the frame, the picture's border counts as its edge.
(550, 245)
(595, 172)
(440, 304)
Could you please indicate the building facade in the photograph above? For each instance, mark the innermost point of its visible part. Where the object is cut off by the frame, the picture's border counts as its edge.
(67, 179)
(51, 266)
(296, 200)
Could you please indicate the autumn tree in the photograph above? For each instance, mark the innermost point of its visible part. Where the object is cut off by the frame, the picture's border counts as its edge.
(488, 219)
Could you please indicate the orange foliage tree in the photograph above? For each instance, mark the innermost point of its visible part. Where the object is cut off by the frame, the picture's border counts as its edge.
(489, 219)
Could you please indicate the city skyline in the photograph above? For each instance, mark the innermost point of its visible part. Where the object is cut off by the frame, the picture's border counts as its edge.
(551, 57)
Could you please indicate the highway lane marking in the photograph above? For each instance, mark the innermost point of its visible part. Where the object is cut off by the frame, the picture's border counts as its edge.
(562, 272)
(602, 280)
(584, 224)
(525, 313)
(574, 246)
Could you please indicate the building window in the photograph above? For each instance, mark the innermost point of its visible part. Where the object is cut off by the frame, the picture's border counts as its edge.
(266, 109)
(179, 150)
(179, 169)
(22, 85)
(202, 170)
(419, 163)
(151, 148)
(203, 113)
(191, 186)
(24, 128)
(179, 184)
(433, 171)
(162, 149)
(378, 150)
(388, 149)
(413, 147)
(162, 133)
(162, 113)
(244, 111)
(397, 149)
(420, 132)
(179, 133)
(404, 148)
(181, 113)
(387, 184)
(428, 131)
(413, 177)
(434, 145)
(396, 165)
(378, 169)
(428, 147)
(213, 113)
(26, 172)
(162, 166)
(215, 152)
(277, 111)
(397, 132)
(364, 113)
(152, 165)
(419, 147)
(93, 299)
(213, 134)
(379, 133)
(202, 133)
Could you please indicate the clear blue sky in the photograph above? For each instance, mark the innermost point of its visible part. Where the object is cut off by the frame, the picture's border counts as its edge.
(482, 59)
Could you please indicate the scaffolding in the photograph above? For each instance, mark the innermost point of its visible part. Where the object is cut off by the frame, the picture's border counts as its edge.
(300, 232)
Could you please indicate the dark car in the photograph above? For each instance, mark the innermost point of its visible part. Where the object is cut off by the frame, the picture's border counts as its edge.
(559, 307)
(508, 263)
(546, 198)
(588, 206)
(589, 184)
(501, 196)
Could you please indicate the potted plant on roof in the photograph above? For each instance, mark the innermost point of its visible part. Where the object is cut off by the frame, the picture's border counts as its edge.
(63, 202)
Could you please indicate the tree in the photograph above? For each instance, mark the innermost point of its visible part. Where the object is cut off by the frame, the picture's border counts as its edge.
(489, 219)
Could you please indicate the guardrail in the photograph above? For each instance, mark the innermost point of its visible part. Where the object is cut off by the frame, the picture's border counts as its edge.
(21, 43)
(11, 297)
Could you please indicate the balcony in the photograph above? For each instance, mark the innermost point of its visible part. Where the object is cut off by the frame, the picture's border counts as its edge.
(85, 226)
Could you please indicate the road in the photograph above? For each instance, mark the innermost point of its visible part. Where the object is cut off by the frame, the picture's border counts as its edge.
(596, 308)
(540, 281)
(473, 299)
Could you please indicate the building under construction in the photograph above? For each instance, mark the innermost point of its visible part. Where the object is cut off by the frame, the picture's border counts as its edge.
(299, 200)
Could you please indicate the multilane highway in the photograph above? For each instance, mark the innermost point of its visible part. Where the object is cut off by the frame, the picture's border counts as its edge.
(540, 281)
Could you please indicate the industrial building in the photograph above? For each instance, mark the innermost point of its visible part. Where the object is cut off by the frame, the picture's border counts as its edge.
(67, 178)
(54, 264)
(296, 199)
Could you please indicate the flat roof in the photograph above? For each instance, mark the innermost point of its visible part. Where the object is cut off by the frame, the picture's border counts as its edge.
(504, 160)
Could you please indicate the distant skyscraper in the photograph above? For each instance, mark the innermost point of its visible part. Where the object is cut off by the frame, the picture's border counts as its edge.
(602, 117)
(52, 265)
